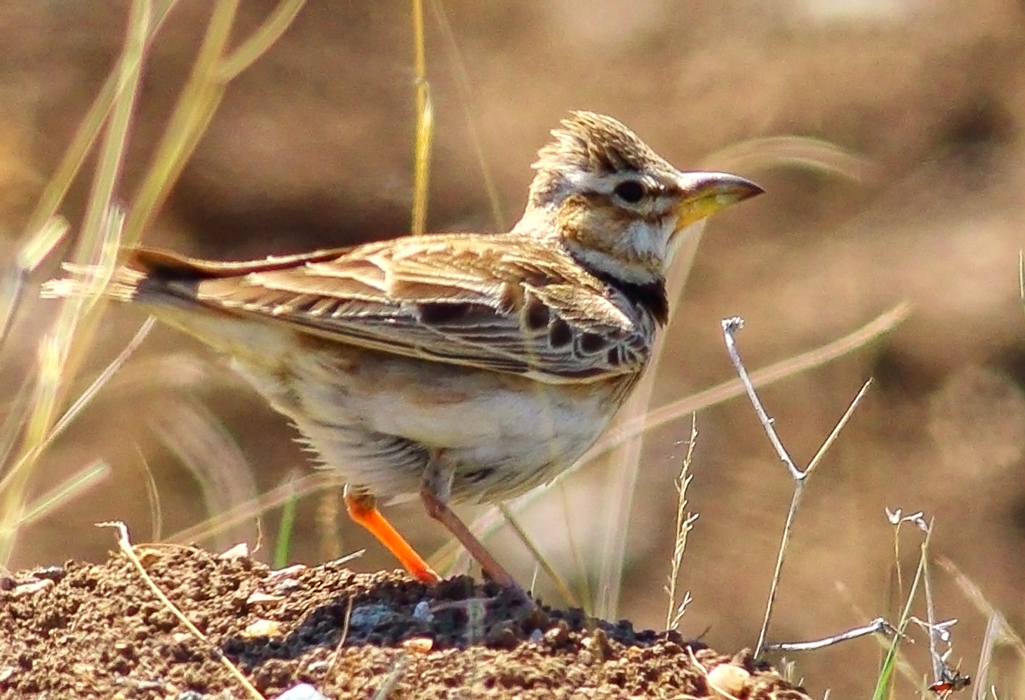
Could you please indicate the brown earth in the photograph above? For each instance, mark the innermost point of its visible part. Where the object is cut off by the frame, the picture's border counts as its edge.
(312, 147)
(97, 631)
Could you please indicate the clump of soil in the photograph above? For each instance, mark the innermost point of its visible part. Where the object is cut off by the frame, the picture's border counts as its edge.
(97, 631)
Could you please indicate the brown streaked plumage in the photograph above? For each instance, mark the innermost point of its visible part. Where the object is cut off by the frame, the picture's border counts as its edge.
(456, 366)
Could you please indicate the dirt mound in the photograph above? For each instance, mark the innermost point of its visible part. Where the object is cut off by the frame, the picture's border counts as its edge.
(97, 631)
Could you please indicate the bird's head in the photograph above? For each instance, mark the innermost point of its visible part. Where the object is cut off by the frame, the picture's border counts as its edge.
(618, 207)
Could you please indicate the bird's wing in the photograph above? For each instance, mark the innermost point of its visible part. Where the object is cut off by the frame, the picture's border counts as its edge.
(504, 303)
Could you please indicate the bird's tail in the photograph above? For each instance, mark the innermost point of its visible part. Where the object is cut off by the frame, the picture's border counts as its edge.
(123, 284)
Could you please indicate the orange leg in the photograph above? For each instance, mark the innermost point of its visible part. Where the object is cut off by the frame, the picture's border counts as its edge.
(363, 510)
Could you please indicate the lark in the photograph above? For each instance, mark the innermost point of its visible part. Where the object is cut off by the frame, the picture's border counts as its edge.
(464, 367)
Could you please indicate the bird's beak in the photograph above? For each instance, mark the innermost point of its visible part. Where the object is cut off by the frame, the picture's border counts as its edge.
(705, 193)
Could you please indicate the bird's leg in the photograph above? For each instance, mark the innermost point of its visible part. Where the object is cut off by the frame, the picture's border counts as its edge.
(434, 491)
(362, 509)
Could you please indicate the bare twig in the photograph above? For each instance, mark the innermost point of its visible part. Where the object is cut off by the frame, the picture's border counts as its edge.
(730, 326)
(341, 640)
(878, 625)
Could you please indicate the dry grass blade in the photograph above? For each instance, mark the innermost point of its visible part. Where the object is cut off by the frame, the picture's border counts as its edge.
(40, 406)
(202, 94)
(205, 446)
(560, 583)
(462, 82)
(424, 125)
(257, 44)
(104, 227)
(156, 513)
(32, 252)
(90, 392)
(87, 132)
(252, 509)
(60, 349)
(813, 154)
(67, 490)
(976, 597)
(994, 632)
(196, 105)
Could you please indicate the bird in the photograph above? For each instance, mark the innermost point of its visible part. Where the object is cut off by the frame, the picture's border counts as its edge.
(458, 367)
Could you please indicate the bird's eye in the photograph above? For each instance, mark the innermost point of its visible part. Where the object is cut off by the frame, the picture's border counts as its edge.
(630, 191)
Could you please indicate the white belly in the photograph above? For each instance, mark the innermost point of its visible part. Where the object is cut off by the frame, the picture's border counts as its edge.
(379, 419)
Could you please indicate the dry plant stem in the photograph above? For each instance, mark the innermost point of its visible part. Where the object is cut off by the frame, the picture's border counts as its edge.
(98, 244)
(976, 597)
(311, 483)
(70, 487)
(341, 640)
(1021, 275)
(41, 242)
(684, 523)
(89, 393)
(257, 44)
(125, 545)
(394, 676)
(560, 583)
(883, 684)
(82, 480)
(87, 132)
(623, 481)
(198, 101)
(424, 124)
(938, 664)
(458, 66)
(938, 632)
(730, 326)
(878, 625)
(994, 631)
(196, 104)
(156, 513)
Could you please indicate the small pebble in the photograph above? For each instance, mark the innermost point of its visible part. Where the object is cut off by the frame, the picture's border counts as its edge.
(422, 611)
(303, 691)
(728, 681)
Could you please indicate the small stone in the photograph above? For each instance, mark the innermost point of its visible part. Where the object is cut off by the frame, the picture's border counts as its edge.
(239, 551)
(29, 588)
(303, 691)
(422, 611)
(261, 598)
(419, 645)
(262, 628)
(728, 681)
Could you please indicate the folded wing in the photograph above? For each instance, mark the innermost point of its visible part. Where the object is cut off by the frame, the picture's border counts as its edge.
(503, 303)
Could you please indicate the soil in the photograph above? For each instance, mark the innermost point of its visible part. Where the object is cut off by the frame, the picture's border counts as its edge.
(312, 147)
(97, 631)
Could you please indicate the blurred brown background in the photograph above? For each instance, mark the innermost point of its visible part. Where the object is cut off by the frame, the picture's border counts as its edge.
(312, 147)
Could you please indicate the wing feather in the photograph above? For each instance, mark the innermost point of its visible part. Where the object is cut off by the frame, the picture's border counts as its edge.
(502, 303)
